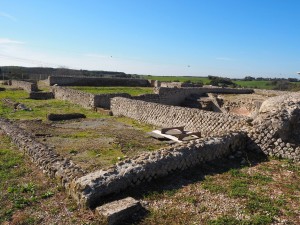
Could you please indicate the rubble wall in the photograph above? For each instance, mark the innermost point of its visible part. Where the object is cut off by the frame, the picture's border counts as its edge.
(208, 123)
(276, 129)
(175, 96)
(89, 189)
(41, 95)
(97, 81)
(78, 97)
(26, 86)
(46, 158)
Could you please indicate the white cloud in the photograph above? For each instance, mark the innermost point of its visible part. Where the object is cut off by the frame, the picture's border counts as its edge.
(8, 16)
(7, 41)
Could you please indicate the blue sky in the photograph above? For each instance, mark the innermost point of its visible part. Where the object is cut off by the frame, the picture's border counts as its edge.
(233, 38)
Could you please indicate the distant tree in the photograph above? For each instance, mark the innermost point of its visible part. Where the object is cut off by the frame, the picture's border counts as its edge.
(248, 78)
(293, 80)
(222, 82)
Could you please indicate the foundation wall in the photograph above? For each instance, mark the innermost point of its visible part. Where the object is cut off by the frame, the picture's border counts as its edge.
(209, 123)
(89, 189)
(93, 81)
(175, 96)
(26, 86)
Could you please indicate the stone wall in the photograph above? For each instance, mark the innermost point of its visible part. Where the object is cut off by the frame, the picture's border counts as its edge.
(276, 129)
(41, 95)
(26, 86)
(46, 158)
(103, 100)
(89, 189)
(78, 97)
(209, 123)
(175, 96)
(97, 81)
(147, 98)
(87, 100)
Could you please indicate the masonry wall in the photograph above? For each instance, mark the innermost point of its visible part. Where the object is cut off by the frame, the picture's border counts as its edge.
(89, 189)
(97, 81)
(87, 100)
(175, 96)
(41, 95)
(209, 123)
(103, 100)
(276, 129)
(78, 97)
(26, 86)
(63, 169)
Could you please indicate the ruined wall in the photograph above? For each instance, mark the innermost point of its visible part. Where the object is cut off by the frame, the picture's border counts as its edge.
(242, 107)
(147, 98)
(97, 81)
(276, 129)
(46, 158)
(41, 95)
(103, 100)
(89, 189)
(175, 96)
(209, 123)
(78, 97)
(87, 100)
(26, 86)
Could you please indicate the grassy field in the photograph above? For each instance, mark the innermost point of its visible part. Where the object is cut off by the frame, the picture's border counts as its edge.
(255, 84)
(109, 90)
(40, 108)
(27, 196)
(253, 195)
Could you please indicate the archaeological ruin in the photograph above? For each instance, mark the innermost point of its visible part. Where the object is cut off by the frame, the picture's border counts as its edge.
(228, 123)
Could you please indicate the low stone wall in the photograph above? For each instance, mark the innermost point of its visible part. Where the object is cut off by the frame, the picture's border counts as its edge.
(46, 158)
(89, 189)
(41, 95)
(276, 129)
(271, 93)
(209, 123)
(78, 97)
(26, 86)
(147, 98)
(87, 100)
(97, 81)
(103, 100)
(175, 96)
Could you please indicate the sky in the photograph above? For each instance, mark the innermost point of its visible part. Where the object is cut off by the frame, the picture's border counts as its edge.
(231, 38)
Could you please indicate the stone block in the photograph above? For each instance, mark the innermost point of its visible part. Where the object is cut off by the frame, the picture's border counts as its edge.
(118, 211)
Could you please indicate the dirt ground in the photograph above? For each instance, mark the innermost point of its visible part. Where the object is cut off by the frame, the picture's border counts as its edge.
(92, 143)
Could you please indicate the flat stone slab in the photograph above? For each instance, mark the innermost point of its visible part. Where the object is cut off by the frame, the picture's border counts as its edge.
(118, 211)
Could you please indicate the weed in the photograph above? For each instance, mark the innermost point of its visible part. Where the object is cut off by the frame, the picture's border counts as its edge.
(48, 194)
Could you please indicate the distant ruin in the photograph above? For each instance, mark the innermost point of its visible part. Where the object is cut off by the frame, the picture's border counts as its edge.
(271, 126)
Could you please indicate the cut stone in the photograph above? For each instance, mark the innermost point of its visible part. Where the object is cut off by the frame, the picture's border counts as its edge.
(118, 211)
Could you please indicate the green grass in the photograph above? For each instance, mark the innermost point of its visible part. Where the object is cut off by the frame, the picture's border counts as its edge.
(256, 84)
(237, 185)
(27, 196)
(40, 108)
(134, 91)
(141, 126)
